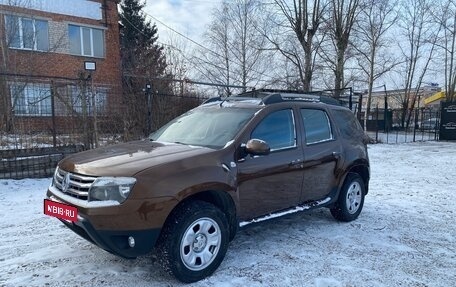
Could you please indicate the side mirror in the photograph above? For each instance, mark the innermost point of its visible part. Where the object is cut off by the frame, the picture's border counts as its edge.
(257, 147)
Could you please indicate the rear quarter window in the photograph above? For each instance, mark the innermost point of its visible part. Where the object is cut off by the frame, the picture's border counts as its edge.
(349, 126)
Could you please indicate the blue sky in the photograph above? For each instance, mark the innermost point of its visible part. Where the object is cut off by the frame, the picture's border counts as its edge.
(175, 2)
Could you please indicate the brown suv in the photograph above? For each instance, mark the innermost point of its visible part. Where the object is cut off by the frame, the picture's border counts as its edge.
(220, 166)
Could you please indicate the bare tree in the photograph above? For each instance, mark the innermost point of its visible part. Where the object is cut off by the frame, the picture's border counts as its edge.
(341, 18)
(417, 49)
(178, 63)
(213, 62)
(304, 18)
(247, 46)
(370, 33)
(235, 54)
(446, 17)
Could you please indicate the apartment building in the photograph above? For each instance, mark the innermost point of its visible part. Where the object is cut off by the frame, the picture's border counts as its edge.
(59, 58)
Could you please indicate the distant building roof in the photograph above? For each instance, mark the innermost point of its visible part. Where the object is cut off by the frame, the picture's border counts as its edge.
(434, 97)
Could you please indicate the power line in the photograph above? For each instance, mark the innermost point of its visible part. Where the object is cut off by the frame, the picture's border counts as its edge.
(186, 80)
(180, 51)
(182, 35)
(196, 43)
(204, 47)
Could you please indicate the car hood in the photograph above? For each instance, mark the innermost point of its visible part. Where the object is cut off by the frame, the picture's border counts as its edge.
(129, 158)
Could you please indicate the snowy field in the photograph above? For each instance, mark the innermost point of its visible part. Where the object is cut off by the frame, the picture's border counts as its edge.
(405, 236)
(395, 137)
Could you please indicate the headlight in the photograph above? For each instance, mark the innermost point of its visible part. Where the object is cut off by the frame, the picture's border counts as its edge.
(111, 188)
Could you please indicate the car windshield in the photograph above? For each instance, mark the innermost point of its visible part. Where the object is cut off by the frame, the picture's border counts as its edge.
(205, 126)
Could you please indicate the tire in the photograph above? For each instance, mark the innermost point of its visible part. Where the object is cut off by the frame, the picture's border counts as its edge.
(194, 241)
(351, 199)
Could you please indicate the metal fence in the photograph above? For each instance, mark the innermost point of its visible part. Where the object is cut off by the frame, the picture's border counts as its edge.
(50, 120)
(399, 126)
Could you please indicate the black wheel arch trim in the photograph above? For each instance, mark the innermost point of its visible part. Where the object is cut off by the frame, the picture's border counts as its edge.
(360, 167)
(222, 199)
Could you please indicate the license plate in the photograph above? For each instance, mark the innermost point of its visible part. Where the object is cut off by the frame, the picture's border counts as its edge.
(60, 210)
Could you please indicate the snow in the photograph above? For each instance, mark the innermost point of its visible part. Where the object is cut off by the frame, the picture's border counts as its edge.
(228, 143)
(405, 236)
(395, 137)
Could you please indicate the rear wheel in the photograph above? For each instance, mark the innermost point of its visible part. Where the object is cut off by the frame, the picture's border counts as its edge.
(351, 199)
(194, 241)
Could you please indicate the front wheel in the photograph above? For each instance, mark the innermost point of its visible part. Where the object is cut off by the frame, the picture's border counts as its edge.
(351, 199)
(194, 241)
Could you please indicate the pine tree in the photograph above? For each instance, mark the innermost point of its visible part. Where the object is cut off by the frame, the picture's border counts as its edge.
(141, 54)
(143, 63)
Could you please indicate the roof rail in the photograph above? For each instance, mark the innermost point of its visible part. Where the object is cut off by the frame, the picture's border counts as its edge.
(268, 97)
(213, 99)
(261, 92)
(271, 96)
(236, 98)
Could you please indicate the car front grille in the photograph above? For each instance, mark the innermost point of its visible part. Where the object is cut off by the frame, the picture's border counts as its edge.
(74, 185)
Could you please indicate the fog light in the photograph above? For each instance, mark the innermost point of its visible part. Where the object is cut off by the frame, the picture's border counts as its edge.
(131, 241)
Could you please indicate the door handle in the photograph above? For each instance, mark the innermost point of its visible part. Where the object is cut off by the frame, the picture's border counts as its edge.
(336, 154)
(296, 161)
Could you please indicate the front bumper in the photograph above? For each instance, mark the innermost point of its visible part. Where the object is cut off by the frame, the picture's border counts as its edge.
(114, 236)
(116, 242)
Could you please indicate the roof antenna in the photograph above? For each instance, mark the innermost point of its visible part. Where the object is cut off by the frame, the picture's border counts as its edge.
(225, 99)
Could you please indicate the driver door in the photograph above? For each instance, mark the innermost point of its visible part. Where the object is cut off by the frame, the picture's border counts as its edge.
(272, 182)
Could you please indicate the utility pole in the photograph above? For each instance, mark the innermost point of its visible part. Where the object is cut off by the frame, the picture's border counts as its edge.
(148, 93)
(54, 133)
(385, 113)
(83, 79)
(350, 99)
(376, 124)
(360, 103)
(94, 111)
(417, 109)
(91, 68)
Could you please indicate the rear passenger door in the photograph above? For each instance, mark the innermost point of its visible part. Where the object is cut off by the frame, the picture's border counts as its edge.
(321, 154)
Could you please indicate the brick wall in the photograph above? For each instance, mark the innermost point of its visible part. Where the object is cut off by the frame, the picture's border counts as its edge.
(58, 37)
(58, 62)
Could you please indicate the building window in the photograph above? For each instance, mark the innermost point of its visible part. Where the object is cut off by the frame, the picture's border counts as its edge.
(86, 41)
(31, 99)
(27, 33)
(82, 103)
(101, 99)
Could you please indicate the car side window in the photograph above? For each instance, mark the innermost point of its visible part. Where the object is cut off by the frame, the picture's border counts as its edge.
(349, 126)
(316, 126)
(277, 129)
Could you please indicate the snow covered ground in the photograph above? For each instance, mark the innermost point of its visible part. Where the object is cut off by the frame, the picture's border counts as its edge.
(405, 236)
(403, 137)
